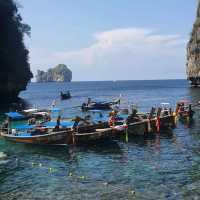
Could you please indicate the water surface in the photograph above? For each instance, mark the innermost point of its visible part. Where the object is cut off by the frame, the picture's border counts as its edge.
(164, 167)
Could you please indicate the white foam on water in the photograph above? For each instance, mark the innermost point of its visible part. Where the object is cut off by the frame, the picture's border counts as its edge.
(2, 155)
(3, 162)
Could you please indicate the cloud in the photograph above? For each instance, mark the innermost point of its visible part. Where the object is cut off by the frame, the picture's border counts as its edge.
(129, 53)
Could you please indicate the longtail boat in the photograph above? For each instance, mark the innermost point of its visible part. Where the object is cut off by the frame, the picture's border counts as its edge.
(46, 133)
(46, 137)
(65, 96)
(184, 110)
(93, 105)
(83, 138)
(147, 124)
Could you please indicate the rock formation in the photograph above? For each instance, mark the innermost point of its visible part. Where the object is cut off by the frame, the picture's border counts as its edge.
(14, 67)
(193, 52)
(60, 73)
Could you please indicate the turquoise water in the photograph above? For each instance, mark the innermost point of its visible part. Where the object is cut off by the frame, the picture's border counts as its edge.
(164, 167)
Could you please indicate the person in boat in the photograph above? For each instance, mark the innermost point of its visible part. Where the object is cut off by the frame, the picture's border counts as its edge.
(190, 111)
(133, 117)
(83, 107)
(57, 127)
(89, 101)
(68, 93)
(47, 117)
(112, 118)
(53, 104)
(78, 121)
(31, 121)
(5, 125)
(100, 115)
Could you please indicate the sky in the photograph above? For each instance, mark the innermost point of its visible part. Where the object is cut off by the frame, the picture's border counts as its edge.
(110, 39)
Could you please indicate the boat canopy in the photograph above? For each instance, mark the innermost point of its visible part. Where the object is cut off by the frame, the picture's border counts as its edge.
(15, 115)
(30, 110)
(95, 111)
(55, 109)
(165, 104)
(184, 101)
(24, 127)
(66, 124)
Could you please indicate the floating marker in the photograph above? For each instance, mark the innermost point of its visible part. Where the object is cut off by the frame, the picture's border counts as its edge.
(132, 192)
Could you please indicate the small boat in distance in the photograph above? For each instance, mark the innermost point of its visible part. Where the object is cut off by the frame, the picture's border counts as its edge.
(64, 96)
(93, 105)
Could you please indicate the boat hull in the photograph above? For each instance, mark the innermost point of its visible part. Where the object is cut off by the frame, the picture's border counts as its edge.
(85, 138)
(149, 127)
(51, 138)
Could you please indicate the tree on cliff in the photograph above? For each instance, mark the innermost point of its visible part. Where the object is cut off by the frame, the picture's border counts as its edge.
(14, 66)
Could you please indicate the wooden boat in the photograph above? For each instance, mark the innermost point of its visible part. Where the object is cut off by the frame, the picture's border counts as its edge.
(184, 110)
(46, 137)
(36, 113)
(145, 127)
(83, 138)
(64, 96)
(92, 105)
(143, 124)
(96, 106)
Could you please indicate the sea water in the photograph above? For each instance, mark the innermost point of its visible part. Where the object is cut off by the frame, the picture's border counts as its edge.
(163, 167)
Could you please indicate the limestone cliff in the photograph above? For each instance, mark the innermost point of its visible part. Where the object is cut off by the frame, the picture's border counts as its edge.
(193, 52)
(60, 73)
(14, 66)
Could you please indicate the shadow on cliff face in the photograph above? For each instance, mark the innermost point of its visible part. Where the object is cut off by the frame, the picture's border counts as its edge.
(195, 94)
(18, 104)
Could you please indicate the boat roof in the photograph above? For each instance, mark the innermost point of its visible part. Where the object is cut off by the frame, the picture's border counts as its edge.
(24, 127)
(31, 110)
(93, 111)
(55, 109)
(66, 124)
(165, 103)
(41, 113)
(15, 115)
(184, 101)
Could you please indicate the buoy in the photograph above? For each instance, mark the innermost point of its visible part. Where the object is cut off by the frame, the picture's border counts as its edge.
(82, 177)
(70, 174)
(132, 192)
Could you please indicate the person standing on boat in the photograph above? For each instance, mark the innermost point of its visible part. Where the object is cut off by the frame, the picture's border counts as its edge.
(112, 118)
(57, 127)
(89, 101)
(5, 125)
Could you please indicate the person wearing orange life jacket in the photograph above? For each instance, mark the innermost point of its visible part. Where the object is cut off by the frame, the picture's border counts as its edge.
(112, 118)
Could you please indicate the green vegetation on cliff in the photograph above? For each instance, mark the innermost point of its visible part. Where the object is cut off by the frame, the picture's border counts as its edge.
(60, 73)
(14, 67)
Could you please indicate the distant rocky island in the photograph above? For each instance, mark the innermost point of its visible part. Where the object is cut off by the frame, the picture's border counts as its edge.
(193, 52)
(60, 73)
